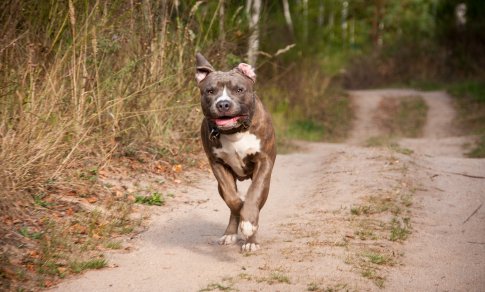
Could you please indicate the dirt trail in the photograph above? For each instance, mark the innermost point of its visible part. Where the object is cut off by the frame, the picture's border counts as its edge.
(309, 237)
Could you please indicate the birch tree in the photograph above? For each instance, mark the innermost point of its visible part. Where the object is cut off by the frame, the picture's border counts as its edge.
(287, 14)
(253, 11)
(222, 32)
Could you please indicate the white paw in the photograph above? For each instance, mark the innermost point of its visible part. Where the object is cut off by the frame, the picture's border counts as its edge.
(250, 247)
(228, 239)
(247, 229)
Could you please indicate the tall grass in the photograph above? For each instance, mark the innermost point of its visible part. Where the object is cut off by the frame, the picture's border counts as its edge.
(307, 102)
(82, 79)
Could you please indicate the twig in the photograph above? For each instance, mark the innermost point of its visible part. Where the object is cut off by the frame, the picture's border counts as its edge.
(474, 212)
(464, 174)
(450, 172)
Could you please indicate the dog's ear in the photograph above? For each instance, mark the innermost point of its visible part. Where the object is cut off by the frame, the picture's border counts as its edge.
(247, 70)
(203, 67)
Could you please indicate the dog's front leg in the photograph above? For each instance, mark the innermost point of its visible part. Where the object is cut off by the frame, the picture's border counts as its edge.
(228, 190)
(255, 199)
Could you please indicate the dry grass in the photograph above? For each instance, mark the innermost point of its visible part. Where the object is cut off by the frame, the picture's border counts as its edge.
(470, 103)
(402, 117)
(306, 104)
(86, 84)
(82, 83)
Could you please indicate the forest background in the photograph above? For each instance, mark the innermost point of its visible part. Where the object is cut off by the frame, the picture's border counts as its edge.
(85, 83)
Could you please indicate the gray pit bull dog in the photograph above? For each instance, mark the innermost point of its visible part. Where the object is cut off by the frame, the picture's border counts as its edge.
(239, 141)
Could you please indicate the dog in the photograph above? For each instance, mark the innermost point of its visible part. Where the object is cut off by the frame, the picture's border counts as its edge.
(239, 141)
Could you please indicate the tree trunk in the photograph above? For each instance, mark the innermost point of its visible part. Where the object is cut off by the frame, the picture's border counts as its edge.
(253, 10)
(287, 13)
(222, 32)
(305, 21)
(377, 22)
(345, 11)
(321, 13)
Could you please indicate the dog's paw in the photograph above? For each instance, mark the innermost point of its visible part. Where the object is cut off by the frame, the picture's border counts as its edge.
(247, 229)
(248, 247)
(228, 239)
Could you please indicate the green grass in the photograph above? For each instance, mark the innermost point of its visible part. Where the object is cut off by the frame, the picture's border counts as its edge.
(412, 116)
(217, 287)
(364, 234)
(155, 199)
(94, 264)
(279, 278)
(38, 201)
(387, 141)
(113, 245)
(471, 89)
(399, 117)
(312, 287)
(372, 275)
(399, 230)
(24, 231)
(378, 259)
(308, 130)
(478, 150)
(470, 103)
(376, 204)
(309, 106)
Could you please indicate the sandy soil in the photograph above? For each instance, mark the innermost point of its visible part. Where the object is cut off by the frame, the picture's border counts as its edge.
(310, 239)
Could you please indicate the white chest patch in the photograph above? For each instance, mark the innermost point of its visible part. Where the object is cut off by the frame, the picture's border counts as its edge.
(235, 148)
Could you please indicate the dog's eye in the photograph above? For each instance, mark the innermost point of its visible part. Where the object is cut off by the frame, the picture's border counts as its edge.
(210, 91)
(239, 89)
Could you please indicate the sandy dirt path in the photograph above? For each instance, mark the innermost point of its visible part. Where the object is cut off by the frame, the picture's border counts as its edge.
(311, 238)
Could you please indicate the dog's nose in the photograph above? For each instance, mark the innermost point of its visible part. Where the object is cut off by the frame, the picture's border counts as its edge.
(223, 105)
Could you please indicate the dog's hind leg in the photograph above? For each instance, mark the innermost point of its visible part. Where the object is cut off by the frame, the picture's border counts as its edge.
(230, 236)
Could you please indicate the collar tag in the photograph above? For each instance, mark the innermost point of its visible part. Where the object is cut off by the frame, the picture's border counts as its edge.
(214, 134)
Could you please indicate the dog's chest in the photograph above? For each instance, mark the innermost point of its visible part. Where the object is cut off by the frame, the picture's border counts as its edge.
(235, 148)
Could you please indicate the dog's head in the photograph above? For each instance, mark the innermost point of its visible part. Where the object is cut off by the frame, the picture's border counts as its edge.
(227, 98)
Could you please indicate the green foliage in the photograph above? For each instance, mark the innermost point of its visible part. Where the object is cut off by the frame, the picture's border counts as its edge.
(478, 150)
(94, 264)
(411, 116)
(279, 278)
(155, 199)
(378, 258)
(470, 101)
(24, 231)
(470, 89)
(113, 245)
(38, 200)
(306, 130)
(403, 117)
(399, 230)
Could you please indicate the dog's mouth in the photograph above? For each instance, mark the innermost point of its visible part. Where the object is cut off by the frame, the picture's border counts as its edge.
(227, 122)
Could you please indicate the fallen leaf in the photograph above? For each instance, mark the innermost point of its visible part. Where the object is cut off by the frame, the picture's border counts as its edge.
(62, 270)
(69, 212)
(34, 254)
(78, 228)
(92, 200)
(48, 283)
(177, 168)
(102, 173)
(160, 168)
(71, 193)
(30, 267)
(118, 194)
